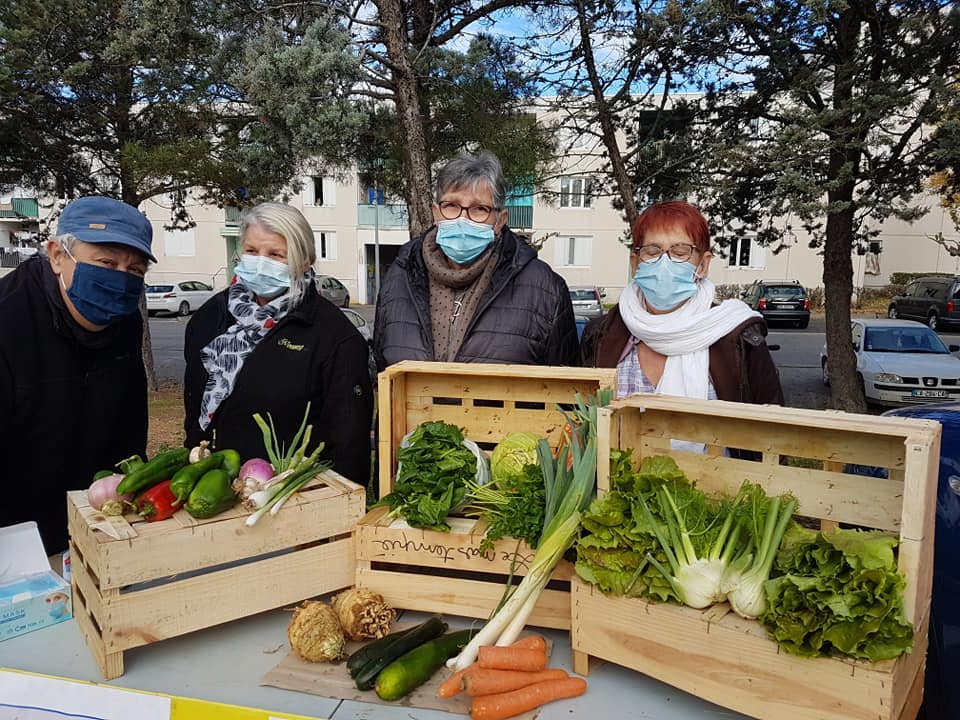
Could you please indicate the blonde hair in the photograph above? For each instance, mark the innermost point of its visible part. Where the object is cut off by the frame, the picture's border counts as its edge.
(292, 226)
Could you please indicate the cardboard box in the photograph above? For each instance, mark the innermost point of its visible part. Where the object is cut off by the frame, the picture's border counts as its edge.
(32, 596)
(717, 655)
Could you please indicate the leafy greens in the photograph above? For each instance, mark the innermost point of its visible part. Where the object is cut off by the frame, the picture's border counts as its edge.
(434, 469)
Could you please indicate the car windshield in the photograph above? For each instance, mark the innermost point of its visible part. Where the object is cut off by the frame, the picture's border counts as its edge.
(581, 295)
(903, 340)
(159, 288)
(785, 290)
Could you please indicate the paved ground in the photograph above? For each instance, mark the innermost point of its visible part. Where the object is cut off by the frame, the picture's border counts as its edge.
(798, 357)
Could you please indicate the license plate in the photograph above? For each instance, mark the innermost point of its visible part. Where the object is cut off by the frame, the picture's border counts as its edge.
(930, 393)
(783, 306)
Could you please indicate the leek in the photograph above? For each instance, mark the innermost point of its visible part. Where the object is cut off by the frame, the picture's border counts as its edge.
(568, 491)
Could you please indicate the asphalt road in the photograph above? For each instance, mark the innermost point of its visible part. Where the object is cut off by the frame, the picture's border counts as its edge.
(798, 357)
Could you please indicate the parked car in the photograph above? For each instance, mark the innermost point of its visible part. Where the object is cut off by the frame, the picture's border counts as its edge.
(933, 300)
(901, 362)
(333, 290)
(587, 301)
(779, 301)
(363, 327)
(181, 297)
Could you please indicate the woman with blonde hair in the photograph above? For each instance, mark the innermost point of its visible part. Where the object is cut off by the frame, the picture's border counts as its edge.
(270, 343)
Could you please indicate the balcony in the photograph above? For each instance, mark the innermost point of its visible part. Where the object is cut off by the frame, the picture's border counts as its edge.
(20, 208)
(232, 215)
(386, 216)
(520, 217)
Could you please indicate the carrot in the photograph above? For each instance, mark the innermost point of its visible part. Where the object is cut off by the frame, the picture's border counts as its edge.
(488, 682)
(507, 704)
(532, 642)
(511, 658)
(454, 684)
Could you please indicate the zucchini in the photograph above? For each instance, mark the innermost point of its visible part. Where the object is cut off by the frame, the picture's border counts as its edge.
(410, 671)
(361, 657)
(161, 468)
(425, 631)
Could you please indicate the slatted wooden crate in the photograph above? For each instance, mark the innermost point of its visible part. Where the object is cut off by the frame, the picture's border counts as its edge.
(146, 582)
(714, 653)
(445, 572)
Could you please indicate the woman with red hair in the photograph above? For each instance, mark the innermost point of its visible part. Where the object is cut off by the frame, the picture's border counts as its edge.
(666, 335)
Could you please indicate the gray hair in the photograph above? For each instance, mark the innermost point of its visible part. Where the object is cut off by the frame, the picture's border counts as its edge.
(468, 171)
(289, 223)
(67, 240)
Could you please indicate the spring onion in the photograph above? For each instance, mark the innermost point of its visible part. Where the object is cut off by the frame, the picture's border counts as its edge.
(568, 491)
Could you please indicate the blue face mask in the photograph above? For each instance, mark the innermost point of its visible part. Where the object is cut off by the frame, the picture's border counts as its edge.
(263, 276)
(666, 283)
(103, 295)
(463, 240)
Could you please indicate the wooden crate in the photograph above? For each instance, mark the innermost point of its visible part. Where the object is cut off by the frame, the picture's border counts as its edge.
(152, 581)
(445, 572)
(714, 653)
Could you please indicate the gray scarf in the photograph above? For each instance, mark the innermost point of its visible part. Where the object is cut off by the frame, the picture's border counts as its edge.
(455, 294)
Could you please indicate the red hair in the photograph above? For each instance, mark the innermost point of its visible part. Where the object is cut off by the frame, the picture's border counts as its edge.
(673, 215)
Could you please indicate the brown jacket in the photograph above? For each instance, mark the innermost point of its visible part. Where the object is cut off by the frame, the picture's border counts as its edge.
(740, 364)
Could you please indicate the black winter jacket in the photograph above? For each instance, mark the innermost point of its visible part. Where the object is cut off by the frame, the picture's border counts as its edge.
(313, 354)
(525, 315)
(72, 402)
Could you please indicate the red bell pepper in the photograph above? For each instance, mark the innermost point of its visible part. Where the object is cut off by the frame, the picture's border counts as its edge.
(158, 502)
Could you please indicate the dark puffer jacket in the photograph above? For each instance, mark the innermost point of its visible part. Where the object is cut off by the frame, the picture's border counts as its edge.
(525, 316)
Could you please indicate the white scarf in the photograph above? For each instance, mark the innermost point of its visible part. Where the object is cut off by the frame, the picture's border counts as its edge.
(684, 335)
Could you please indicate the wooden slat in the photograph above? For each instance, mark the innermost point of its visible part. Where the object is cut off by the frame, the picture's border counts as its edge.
(855, 499)
(468, 598)
(455, 550)
(145, 616)
(110, 664)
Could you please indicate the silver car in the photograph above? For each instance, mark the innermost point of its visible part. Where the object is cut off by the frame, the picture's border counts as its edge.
(901, 362)
(587, 301)
(333, 290)
(181, 297)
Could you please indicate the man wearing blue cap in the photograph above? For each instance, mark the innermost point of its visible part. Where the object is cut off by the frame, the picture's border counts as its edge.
(73, 391)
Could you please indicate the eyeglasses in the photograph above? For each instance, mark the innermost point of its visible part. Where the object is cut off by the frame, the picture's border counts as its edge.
(678, 252)
(477, 213)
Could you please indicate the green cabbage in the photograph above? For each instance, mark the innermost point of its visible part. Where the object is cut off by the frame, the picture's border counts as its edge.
(510, 456)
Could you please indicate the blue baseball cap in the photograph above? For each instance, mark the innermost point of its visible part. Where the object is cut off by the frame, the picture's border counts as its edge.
(96, 219)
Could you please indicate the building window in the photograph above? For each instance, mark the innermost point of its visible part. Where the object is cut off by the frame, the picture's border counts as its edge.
(326, 242)
(179, 243)
(575, 251)
(319, 191)
(744, 252)
(576, 192)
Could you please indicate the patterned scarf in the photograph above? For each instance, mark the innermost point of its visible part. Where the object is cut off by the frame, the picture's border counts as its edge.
(224, 356)
(455, 294)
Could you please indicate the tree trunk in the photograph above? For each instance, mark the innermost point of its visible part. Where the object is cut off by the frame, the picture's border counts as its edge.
(846, 384)
(147, 349)
(417, 158)
(608, 125)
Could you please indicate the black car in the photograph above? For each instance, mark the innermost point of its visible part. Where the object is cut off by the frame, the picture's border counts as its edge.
(932, 300)
(779, 301)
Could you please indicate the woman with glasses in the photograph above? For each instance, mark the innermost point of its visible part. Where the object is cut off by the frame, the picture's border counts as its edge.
(666, 335)
(469, 290)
